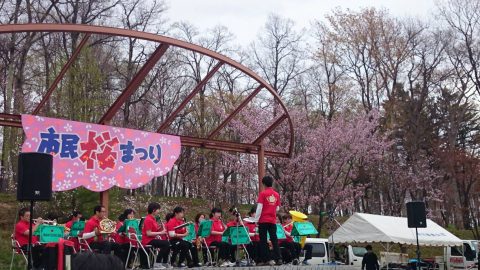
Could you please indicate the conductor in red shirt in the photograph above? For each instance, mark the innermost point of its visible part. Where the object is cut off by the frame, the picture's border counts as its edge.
(267, 206)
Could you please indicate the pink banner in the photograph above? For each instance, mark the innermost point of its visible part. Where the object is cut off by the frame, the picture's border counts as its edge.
(99, 157)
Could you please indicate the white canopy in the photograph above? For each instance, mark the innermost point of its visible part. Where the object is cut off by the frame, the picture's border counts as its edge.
(367, 228)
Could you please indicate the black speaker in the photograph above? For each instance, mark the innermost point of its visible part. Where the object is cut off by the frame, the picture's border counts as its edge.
(34, 177)
(417, 217)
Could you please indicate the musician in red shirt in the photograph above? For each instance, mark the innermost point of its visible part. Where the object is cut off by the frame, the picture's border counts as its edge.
(267, 206)
(76, 216)
(176, 240)
(226, 252)
(22, 230)
(291, 250)
(199, 218)
(92, 230)
(151, 235)
(122, 238)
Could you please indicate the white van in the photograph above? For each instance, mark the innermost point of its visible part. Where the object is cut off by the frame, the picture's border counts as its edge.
(319, 250)
(354, 255)
(462, 257)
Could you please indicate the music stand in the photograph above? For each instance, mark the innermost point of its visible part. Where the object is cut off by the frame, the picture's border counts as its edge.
(238, 216)
(191, 233)
(77, 227)
(204, 231)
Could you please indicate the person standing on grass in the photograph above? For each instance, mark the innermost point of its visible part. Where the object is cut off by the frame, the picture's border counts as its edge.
(370, 260)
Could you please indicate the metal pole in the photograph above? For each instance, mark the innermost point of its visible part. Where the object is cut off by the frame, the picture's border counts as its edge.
(261, 165)
(29, 248)
(104, 198)
(418, 250)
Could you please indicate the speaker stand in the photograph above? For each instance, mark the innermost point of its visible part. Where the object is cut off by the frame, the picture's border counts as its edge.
(418, 250)
(30, 233)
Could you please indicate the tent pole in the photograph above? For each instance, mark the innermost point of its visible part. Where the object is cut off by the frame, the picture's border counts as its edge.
(388, 253)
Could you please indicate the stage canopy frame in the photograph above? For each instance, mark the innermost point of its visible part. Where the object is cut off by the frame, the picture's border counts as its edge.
(163, 44)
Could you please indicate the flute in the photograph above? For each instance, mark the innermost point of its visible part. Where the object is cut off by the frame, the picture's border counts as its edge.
(284, 226)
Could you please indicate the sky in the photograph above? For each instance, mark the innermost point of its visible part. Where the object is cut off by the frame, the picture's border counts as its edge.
(245, 18)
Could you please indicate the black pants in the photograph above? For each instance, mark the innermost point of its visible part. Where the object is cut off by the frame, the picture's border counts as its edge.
(290, 251)
(263, 251)
(38, 259)
(185, 249)
(225, 250)
(252, 250)
(123, 252)
(308, 251)
(164, 247)
(106, 247)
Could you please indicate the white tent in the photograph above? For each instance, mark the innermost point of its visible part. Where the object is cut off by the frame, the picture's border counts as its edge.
(367, 228)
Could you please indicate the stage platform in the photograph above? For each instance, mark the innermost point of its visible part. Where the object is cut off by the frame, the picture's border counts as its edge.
(284, 267)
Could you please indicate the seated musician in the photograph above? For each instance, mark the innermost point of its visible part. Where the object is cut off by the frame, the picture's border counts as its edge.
(252, 248)
(292, 250)
(152, 235)
(226, 252)
(198, 241)
(76, 216)
(176, 240)
(198, 219)
(122, 238)
(22, 230)
(93, 235)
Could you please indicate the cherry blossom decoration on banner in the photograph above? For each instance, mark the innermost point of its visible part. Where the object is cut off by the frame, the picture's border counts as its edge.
(99, 157)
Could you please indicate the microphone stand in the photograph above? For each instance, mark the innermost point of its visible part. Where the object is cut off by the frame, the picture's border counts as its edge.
(239, 220)
(30, 233)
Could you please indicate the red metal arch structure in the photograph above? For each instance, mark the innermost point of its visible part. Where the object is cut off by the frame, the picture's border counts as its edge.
(255, 147)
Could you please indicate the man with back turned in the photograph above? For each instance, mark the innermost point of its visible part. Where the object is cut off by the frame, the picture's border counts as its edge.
(267, 206)
(370, 260)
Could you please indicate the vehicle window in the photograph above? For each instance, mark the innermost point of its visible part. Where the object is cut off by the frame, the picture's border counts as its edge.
(318, 249)
(359, 251)
(469, 253)
(474, 244)
(456, 251)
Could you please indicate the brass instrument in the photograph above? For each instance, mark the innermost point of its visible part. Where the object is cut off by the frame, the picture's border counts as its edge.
(299, 217)
(107, 226)
(46, 221)
(65, 228)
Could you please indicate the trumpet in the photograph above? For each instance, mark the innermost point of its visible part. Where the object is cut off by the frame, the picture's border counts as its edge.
(46, 221)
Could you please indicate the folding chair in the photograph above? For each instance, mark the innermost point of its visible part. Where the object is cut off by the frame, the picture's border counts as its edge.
(82, 243)
(209, 253)
(17, 250)
(136, 246)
